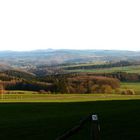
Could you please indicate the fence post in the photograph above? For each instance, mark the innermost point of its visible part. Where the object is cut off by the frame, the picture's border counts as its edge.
(95, 128)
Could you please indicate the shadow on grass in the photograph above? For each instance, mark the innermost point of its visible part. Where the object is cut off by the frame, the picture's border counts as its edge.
(119, 120)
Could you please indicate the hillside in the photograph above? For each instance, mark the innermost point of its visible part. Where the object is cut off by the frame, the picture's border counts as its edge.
(53, 57)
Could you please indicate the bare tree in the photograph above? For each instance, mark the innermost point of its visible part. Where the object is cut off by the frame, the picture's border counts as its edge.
(1, 90)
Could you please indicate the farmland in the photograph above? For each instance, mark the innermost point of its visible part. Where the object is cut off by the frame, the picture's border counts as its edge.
(128, 69)
(49, 119)
(42, 97)
(64, 97)
(33, 115)
(33, 96)
(39, 115)
(30, 115)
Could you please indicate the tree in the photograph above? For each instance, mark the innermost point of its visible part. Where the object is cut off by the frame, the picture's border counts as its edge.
(1, 89)
(106, 89)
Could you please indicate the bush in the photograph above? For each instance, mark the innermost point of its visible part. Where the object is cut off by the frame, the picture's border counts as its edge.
(106, 89)
(128, 92)
(118, 91)
(42, 92)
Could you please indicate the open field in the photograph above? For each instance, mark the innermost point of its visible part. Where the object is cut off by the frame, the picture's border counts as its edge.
(128, 69)
(29, 115)
(29, 96)
(64, 97)
(119, 119)
(83, 64)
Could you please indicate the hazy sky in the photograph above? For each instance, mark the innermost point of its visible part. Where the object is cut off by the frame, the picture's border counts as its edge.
(70, 24)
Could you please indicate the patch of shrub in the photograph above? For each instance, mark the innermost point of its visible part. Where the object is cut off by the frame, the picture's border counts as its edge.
(128, 92)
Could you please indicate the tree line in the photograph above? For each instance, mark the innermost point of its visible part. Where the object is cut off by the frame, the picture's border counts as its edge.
(97, 66)
(65, 84)
(122, 76)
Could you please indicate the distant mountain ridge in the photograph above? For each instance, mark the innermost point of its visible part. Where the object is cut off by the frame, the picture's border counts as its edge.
(50, 57)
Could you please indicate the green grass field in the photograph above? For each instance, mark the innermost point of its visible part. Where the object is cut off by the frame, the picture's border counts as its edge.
(45, 116)
(119, 119)
(29, 96)
(128, 69)
(15, 98)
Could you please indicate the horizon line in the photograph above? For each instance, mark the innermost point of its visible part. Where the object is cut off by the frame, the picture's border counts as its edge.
(10, 50)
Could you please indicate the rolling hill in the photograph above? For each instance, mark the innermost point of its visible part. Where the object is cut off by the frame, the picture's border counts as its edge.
(53, 57)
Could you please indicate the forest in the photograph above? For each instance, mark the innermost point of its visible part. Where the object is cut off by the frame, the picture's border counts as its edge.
(66, 83)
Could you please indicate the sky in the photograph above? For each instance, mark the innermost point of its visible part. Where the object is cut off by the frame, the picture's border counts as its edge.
(69, 24)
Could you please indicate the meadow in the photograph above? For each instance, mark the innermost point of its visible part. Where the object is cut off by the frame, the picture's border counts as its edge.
(30, 96)
(60, 98)
(119, 119)
(128, 69)
(30, 115)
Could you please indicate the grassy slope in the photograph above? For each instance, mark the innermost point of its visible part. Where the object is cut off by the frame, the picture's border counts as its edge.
(128, 69)
(119, 119)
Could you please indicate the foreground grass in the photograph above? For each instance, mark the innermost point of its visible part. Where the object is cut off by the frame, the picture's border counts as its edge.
(119, 119)
(46, 116)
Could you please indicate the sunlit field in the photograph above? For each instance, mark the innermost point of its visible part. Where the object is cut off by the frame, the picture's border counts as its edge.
(128, 69)
(30, 115)
(28, 97)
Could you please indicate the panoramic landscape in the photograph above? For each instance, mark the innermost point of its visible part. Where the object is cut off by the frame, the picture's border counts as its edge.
(42, 96)
(69, 70)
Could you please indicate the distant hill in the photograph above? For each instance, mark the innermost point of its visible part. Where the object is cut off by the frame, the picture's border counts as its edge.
(4, 67)
(53, 57)
(51, 61)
